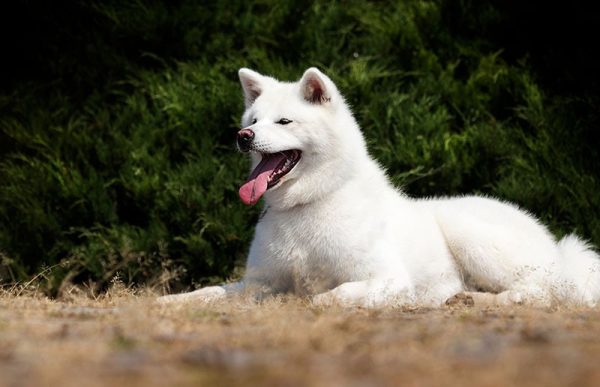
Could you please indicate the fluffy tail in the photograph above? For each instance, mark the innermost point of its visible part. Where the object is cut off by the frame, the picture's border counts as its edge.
(582, 265)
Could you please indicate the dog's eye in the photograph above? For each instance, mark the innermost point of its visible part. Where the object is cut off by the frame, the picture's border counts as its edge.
(283, 121)
(254, 121)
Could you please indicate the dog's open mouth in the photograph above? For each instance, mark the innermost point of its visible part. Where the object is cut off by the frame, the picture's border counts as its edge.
(267, 174)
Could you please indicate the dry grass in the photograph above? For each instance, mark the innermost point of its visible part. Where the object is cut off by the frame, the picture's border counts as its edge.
(125, 339)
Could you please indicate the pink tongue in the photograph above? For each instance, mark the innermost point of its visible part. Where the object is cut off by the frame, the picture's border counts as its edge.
(256, 185)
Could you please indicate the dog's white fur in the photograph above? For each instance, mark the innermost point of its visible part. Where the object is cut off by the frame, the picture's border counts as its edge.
(336, 229)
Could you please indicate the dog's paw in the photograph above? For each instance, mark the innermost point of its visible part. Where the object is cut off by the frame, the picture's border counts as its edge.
(324, 299)
(366, 294)
(348, 294)
(511, 297)
(204, 295)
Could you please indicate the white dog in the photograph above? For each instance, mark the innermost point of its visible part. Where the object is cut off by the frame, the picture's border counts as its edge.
(334, 227)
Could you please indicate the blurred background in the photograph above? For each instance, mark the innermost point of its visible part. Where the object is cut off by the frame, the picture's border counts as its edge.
(117, 120)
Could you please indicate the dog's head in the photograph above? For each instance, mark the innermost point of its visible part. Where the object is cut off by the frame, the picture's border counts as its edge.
(301, 136)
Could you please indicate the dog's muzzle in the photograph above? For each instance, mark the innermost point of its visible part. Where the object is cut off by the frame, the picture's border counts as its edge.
(244, 139)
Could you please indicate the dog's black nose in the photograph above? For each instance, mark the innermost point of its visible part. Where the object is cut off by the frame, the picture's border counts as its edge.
(244, 139)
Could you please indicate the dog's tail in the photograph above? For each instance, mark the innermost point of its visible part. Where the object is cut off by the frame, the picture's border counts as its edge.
(582, 266)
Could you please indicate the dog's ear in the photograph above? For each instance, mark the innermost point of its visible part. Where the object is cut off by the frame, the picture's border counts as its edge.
(316, 87)
(252, 83)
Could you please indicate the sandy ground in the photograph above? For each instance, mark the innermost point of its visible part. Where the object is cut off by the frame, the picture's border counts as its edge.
(126, 339)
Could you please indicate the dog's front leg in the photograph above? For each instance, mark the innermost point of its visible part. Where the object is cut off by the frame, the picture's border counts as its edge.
(371, 293)
(207, 294)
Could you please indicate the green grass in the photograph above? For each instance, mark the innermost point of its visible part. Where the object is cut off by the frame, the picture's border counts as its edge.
(117, 156)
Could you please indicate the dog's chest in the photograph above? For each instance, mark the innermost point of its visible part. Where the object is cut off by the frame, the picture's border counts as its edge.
(317, 249)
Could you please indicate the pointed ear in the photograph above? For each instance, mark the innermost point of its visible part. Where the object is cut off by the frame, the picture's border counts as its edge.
(252, 83)
(316, 87)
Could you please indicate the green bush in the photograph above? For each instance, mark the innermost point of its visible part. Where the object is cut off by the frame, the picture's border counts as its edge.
(117, 154)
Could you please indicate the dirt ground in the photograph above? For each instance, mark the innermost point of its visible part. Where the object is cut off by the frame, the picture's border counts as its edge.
(126, 339)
